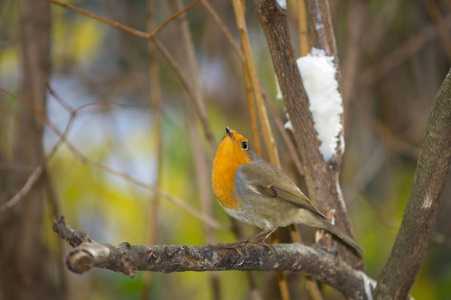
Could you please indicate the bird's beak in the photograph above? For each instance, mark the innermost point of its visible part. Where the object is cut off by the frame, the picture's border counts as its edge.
(228, 131)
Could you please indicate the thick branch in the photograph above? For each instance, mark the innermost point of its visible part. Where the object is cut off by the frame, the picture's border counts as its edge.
(321, 30)
(321, 176)
(127, 259)
(421, 210)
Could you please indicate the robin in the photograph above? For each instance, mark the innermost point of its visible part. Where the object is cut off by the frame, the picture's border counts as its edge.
(256, 192)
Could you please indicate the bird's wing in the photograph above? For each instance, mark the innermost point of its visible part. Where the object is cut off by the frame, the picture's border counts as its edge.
(268, 180)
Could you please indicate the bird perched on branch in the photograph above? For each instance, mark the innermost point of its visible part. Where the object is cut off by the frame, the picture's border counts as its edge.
(256, 192)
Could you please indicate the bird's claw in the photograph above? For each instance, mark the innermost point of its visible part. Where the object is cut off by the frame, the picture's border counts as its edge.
(235, 246)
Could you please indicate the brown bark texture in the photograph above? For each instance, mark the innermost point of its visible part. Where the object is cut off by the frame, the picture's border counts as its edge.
(322, 177)
(127, 259)
(23, 255)
(419, 216)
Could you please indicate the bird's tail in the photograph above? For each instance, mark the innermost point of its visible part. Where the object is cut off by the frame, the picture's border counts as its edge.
(339, 233)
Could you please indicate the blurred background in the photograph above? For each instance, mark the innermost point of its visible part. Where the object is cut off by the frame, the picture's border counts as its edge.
(393, 56)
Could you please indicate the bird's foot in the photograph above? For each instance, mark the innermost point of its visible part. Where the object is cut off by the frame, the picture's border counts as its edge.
(263, 243)
(263, 235)
(235, 246)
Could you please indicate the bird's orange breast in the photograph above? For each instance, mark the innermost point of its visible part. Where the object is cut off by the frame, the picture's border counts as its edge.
(227, 160)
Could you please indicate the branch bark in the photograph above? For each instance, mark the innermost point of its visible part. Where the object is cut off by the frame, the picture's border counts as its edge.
(322, 177)
(127, 259)
(417, 223)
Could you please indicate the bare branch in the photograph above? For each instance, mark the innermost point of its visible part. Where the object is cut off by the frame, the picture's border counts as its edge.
(321, 31)
(417, 223)
(127, 259)
(102, 19)
(36, 174)
(32, 179)
(78, 155)
(166, 54)
(224, 29)
(321, 177)
(398, 56)
(173, 17)
(440, 27)
(268, 137)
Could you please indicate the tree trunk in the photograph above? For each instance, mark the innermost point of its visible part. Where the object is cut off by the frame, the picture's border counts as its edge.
(23, 255)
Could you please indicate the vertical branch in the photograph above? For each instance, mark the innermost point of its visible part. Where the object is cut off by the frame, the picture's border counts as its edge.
(252, 114)
(421, 210)
(55, 209)
(440, 27)
(23, 254)
(155, 101)
(311, 285)
(247, 81)
(271, 149)
(303, 29)
(201, 113)
(321, 31)
(356, 30)
(200, 163)
(284, 134)
(270, 145)
(321, 176)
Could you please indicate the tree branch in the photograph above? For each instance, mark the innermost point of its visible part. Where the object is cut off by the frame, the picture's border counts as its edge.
(322, 177)
(425, 198)
(127, 259)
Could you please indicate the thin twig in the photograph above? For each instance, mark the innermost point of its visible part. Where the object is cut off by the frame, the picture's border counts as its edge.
(177, 201)
(25, 189)
(155, 101)
(187, 53)
(252, 115)
(247, 82)
(440, 27)
(284, 134)
(63, 103)
(224, 29)
(303, 29)
(356, 29)
(36, 174)
(379, 25)
(166, 54)
(202, 114)
(398, 56)
(173, 17)
(101, 19)
(271, 149)
(395, 142)
(250, 71)
(248, 88)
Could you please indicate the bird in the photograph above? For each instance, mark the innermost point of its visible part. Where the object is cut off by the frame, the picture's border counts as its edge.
(256, 192)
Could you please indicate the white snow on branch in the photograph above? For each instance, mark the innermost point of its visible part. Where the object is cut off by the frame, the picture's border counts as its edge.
(288, 125)
(279, 95)
(319, 26)
(318, 75)
(282, 4)
(368, 284)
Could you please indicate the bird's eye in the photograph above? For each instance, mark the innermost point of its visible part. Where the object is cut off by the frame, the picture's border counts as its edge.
(244, 145)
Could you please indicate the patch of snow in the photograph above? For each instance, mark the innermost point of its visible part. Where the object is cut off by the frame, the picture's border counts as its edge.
(288, 124)
(279, 95)
(282, 4)
(326, 104)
